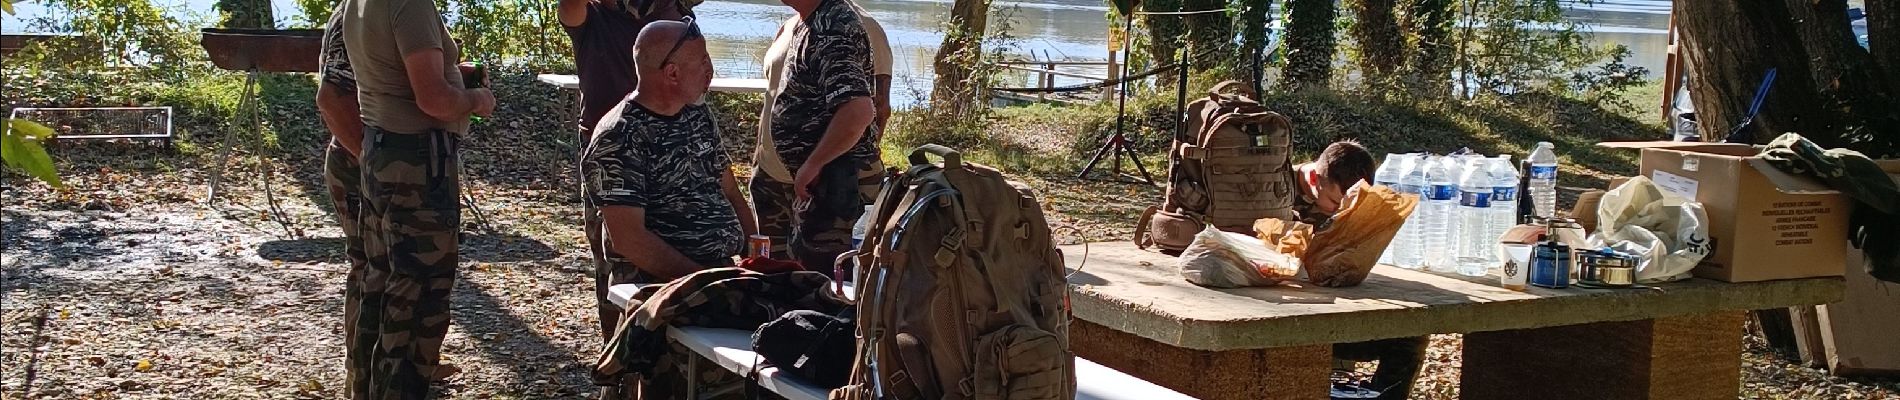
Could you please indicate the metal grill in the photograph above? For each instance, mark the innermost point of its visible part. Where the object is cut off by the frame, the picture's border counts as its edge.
(153, 123)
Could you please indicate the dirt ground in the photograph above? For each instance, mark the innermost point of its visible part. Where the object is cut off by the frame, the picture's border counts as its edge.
(128, 285)
(176, 299)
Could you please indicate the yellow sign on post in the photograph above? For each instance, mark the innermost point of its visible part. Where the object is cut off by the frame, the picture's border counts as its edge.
(1115, 38)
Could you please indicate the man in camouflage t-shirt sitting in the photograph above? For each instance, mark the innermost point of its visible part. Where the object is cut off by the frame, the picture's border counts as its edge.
(656, 173)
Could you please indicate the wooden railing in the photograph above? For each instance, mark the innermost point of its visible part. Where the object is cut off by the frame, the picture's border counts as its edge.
(1046, 72)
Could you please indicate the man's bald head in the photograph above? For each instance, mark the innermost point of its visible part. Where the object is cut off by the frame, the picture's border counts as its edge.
(671, 60)
(657, 39)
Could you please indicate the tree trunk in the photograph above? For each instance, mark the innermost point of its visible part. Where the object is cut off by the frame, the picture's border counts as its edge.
(247, 14)
(1252, 24)
(960, 55)
(1210, 36)
(1725, 74)
(1376, 31)
(1848, 79)
(1310, 44)
(1164, 36)
(1428, 62)
(1829, 89)
(1883, 36)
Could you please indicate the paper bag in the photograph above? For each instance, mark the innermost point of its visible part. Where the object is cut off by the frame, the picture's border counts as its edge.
(1368, 219)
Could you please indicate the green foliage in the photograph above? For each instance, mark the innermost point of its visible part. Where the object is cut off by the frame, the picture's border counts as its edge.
(115, 33)
(20, 147)
(316, 13)
(1250, 23)
(246, 14)
(1380, 48)
(1606, 83)
(524, 32)
(959, 117)
(1310, 44)
(19, 140)
(1519, 45)
(1429, 46)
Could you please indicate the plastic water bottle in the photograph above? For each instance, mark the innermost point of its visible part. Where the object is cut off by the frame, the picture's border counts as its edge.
(1440, 205)
(1503, 198)
(1476, 250)
(1543, 174)
(1388, 175)
(1411, 239)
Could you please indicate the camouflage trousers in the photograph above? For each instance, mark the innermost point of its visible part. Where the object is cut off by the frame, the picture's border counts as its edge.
(410, 228)
(772, 201)
(342, 177)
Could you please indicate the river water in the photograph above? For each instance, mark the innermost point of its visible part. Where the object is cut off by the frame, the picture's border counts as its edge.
(1061, 29)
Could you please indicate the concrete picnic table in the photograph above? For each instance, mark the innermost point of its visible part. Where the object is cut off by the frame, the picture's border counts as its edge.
(1135, 313)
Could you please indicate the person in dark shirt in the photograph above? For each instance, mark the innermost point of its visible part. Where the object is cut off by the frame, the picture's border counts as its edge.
(656, 178)
(1322, 186)
(603, 32)
(821, 116)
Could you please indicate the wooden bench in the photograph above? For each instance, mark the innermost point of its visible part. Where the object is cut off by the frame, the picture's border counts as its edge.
(732, 350)
(1683, 340)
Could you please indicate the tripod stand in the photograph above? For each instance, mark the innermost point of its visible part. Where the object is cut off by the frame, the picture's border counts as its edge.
(1118, 143)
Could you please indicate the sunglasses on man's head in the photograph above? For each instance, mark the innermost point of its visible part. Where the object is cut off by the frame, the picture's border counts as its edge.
(692, 32)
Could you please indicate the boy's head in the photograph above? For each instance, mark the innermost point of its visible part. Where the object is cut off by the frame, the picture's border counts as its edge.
(1341, 165)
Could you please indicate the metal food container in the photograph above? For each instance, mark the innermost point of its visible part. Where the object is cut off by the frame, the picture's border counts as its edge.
(1606, 267)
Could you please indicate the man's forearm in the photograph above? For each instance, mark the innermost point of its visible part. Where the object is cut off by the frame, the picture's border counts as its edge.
(747, 222)
(651, 254)
(847, 126)
(341, 116)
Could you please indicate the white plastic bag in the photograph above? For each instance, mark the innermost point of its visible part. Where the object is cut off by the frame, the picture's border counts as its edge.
(1230, 260)
(1668, 233)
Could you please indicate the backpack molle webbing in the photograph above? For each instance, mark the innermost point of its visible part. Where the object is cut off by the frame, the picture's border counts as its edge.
(1232, 168)
(981, 311)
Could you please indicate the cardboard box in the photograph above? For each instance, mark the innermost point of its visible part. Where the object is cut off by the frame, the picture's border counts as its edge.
(1765, 224)
(1857, 332)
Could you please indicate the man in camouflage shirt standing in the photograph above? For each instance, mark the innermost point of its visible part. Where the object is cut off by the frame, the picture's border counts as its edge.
(415, 111)
(823, 114)
(336, 101)
(657, 177)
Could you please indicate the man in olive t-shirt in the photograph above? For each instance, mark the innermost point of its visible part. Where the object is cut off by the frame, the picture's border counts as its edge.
(415, 112)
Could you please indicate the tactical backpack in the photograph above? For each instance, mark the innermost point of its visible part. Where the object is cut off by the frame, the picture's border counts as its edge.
(1229, 167)
(961, 293)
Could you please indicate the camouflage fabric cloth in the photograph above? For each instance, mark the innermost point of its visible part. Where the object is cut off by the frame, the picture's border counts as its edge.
(730, 298)
(772, 201)
(411, 228)
(671, 167)
(342, 176)
(1876, 197)
(827, 64)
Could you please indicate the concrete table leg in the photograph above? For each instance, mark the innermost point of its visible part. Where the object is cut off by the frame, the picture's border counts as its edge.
(1686, 357)
(1300, 372)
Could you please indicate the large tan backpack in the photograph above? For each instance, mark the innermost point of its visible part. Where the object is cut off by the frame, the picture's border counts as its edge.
(1229, 168)
(961, 292)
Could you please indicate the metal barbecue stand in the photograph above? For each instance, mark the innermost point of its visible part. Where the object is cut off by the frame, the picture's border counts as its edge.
(255, 52)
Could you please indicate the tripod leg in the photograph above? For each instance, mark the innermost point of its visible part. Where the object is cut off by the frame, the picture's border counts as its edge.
(1132, 158)
(1097, 159)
